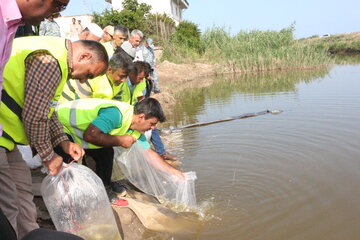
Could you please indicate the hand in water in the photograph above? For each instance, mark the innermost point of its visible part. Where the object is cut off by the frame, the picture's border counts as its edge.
(177, 174)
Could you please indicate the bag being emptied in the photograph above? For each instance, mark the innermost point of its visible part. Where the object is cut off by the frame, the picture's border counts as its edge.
(146, 174)
(77, 202)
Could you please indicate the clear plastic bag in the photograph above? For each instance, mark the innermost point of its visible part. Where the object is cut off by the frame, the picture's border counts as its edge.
(77, 202)
(149, 177)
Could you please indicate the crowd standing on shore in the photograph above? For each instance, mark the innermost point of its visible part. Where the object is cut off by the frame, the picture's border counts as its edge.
(45, 79)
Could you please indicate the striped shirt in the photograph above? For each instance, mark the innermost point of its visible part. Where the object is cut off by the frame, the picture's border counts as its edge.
(42, 76)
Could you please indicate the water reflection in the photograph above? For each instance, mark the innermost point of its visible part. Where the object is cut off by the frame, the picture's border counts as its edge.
(192, 102)
(347, 59)
(293, 175)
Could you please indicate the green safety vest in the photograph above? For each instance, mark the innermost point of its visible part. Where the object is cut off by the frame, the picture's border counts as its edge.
(99, 87)
(131, 98)
(12, 99)
(76, 116)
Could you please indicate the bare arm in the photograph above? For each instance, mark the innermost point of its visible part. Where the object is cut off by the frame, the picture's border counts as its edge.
(161, 165)
(95, 136)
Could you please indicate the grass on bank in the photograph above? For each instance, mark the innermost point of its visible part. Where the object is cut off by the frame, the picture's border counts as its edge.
(339, 44)
(249, 51)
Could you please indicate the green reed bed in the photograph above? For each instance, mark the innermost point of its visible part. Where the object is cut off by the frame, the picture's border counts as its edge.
(251, 51)
(261, 51)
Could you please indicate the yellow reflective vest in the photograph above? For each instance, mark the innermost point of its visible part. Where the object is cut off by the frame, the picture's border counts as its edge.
(12, 99)
(109, 48)
(76, 116)
(101, 86)
(131, 97)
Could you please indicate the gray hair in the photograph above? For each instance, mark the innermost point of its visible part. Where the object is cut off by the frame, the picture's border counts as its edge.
(98, 50)
(120, 60)
(121, 29)
(137, 32)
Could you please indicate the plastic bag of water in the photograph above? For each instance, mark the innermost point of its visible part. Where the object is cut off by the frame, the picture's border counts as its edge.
(77, 202)
(145, 174)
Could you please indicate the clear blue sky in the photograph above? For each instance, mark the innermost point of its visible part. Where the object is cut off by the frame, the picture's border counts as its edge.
(312, 17)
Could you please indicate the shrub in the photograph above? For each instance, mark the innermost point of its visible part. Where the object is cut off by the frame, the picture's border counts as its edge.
(187, 34)
(133, 16)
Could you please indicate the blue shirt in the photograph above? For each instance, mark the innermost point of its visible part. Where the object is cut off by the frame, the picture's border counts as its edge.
(132, 86)
(111, 118)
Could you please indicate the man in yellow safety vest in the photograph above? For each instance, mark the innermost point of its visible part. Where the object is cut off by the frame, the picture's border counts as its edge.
(34, 77)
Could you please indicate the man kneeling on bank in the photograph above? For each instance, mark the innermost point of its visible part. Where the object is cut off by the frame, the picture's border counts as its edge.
(95, 123)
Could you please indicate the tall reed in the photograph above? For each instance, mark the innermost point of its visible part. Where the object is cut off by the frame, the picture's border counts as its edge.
(252, 51)
(260, 50)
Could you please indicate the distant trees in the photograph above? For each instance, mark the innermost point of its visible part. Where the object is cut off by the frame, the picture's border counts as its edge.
(133, 15)
(137, 16)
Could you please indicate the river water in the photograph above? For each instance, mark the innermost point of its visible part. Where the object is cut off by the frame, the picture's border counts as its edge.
(293, 175)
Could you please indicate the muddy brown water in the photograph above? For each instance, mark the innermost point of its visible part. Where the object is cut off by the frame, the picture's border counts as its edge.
(294, 175)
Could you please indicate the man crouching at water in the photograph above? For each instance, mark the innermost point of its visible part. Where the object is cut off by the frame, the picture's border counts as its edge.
(34, 78)
(97, 123)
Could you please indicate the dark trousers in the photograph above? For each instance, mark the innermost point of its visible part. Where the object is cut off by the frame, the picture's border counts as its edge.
(103, 157)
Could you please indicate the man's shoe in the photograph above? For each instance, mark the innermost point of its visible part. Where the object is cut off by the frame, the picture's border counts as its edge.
(156, 91)
(168, 156)
(111, 194)
(118, 188)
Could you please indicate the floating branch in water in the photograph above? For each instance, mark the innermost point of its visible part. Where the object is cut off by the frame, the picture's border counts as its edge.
(245, 115)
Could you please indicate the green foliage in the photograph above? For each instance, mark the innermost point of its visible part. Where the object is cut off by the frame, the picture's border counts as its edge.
(133, 15)
(159, 27)
(314, 36)
(336, 44)
(187, 34)
(179, 54)
(245, 52)
(251, 51)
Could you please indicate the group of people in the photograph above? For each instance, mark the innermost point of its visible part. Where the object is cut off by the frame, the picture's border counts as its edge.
(67, 98)
(75, 27)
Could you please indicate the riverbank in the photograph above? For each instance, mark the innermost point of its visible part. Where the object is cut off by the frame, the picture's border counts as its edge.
(176, 78)
(339, 44)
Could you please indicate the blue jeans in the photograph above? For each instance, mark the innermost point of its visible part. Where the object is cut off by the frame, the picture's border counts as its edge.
(154, 77)
(156, 141)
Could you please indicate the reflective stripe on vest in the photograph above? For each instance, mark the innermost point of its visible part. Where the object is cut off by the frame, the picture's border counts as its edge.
(73, 90)
(76, 116)
(99, 87)
(14, 84)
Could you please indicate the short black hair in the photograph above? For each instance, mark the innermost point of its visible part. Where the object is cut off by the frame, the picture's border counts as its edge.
(121, 60)
(151, 108)
(140, 66)
(98, 50)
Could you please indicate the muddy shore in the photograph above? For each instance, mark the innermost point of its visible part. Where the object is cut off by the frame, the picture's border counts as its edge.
(176, 78)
